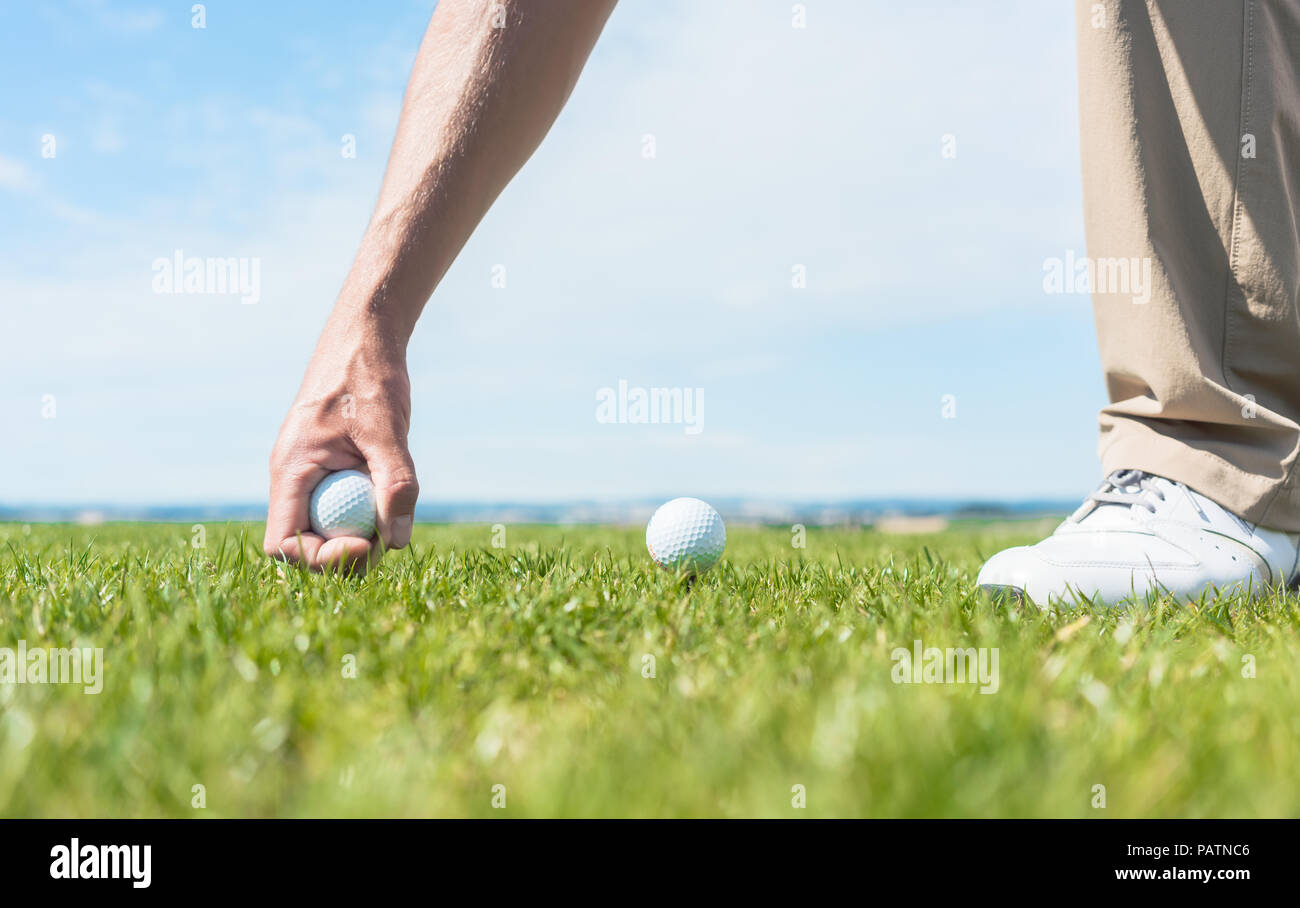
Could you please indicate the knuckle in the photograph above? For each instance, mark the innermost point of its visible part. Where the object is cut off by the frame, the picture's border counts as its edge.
(402, 486)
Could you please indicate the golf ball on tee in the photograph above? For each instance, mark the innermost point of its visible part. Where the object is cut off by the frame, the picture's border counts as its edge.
(344, 505)
(686, 534)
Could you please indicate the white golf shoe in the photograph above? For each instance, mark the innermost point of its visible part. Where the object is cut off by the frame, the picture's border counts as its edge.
(1139, 533)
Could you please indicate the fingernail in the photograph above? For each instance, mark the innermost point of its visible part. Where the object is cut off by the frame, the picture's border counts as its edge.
(400, 531)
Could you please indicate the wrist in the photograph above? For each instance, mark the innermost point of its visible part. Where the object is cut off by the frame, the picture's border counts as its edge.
(362, 340)
(366, 315)
(350, 366)
(387, 287)
(365, 332)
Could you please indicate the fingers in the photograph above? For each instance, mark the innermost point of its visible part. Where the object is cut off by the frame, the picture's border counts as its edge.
(287, 515)
(288, 523)
(349, 554)
(396, 490)
(322, 438)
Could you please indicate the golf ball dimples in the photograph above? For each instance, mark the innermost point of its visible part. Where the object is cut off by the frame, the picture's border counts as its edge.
(686, 533)
(344, 505)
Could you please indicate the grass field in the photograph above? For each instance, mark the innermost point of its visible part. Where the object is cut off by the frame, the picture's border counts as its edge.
(526, 667)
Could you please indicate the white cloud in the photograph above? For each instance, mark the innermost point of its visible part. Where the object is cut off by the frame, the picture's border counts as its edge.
(775, 147)
(123, 21)
(107, 137)
(14, 175)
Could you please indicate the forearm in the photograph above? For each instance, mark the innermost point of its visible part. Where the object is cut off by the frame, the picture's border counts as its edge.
(479, 101)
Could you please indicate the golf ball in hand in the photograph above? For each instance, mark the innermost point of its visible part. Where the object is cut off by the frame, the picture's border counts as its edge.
(686, 534)
(344, 505)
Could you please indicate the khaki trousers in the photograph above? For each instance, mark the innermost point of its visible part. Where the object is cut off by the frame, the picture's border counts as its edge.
(1190, 124)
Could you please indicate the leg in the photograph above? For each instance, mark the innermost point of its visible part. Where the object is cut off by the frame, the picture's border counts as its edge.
(1190, 124)
(1190, 113)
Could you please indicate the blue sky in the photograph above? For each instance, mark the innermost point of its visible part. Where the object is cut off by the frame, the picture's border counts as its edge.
(775, 147)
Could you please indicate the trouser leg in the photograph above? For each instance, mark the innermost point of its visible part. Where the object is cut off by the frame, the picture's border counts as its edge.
(1190, 128)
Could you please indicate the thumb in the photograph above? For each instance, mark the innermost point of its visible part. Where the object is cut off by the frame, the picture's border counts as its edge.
(396, 489)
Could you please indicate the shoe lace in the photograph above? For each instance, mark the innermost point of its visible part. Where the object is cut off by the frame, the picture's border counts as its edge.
(1129, 487)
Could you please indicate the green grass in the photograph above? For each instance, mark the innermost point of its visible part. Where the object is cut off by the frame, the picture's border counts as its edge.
(524, 667)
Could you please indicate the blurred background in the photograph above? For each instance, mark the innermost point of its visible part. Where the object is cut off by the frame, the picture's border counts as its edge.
(830, 221)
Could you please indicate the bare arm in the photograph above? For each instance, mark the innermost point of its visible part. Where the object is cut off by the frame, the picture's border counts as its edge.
(489, 80)
(480, 100)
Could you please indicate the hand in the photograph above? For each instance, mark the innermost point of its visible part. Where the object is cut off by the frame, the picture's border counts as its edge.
(480, 99)
(353, 411)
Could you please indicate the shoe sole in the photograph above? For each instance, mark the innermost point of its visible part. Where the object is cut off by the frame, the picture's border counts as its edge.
(1000, 592)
